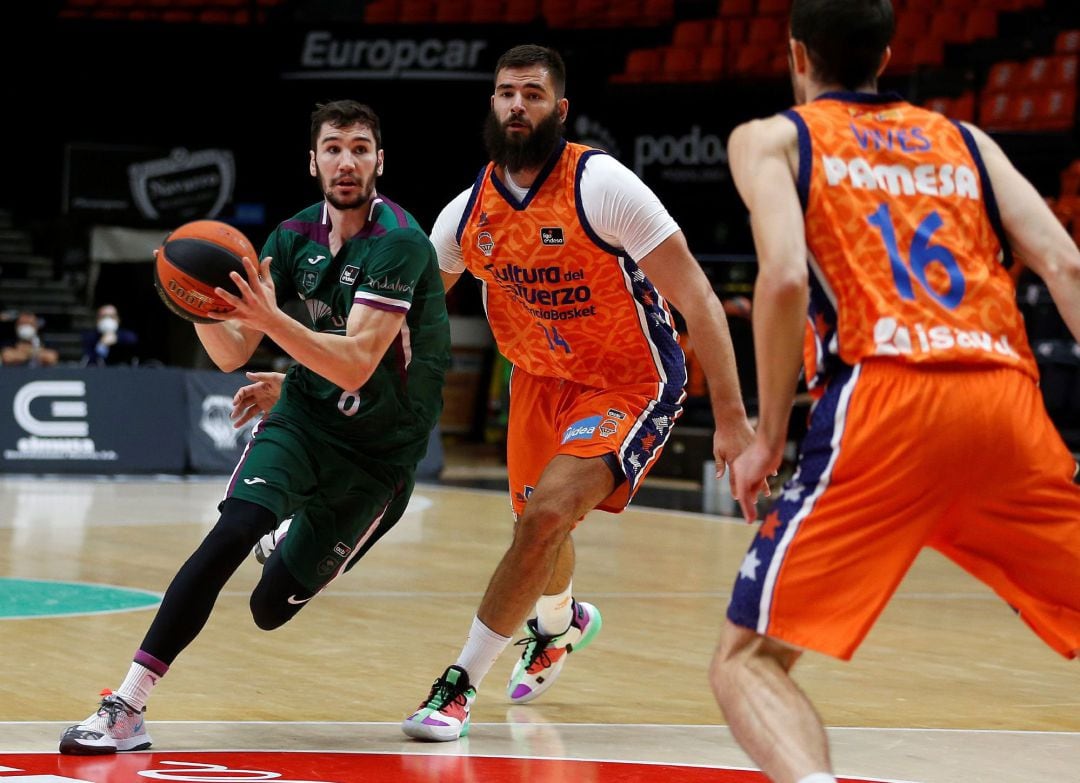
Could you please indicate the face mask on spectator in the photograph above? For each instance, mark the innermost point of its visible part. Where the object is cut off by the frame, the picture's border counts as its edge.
(26, 332)
(108, 325)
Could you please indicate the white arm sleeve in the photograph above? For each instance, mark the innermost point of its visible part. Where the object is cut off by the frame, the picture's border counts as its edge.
(622, 209)
(444, 234)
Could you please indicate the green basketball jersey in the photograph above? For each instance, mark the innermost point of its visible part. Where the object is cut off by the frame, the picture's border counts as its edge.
(390, 265)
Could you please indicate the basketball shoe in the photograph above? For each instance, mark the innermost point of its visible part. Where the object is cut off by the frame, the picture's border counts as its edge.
(444, 715)
(544, 656)
(115, 727)
(271, 541)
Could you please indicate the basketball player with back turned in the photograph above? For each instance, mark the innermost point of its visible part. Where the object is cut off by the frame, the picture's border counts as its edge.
(338, 451)
(884, 232)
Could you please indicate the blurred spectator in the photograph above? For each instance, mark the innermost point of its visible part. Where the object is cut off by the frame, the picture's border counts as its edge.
(108, 344)
(27, 348)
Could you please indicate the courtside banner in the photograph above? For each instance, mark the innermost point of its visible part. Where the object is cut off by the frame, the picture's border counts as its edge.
(92, 420)
(214, 444)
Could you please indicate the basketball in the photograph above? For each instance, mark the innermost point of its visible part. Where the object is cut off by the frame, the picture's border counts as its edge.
(195, 259)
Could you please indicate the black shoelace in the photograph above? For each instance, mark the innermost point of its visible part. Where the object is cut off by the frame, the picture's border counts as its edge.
(444, 692)
(538, 652)
(113, 707)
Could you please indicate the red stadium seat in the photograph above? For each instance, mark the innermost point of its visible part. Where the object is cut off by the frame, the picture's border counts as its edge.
(642, 65)
(995, 110)
(1054, 110)
(947, 26)
(940, 104)
(1067, 42)
(735, 8)
(655, 12)
(1004, 76)
(1057, 71)
(774, 8)
(692, 33)
(712, 62)
(980, 23)
(680, 64)
(928, 52)
(416, 11)
(452, 11)
(963, 107)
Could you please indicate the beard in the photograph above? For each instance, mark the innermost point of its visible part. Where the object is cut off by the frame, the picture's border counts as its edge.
(359, 200)
(522, 151)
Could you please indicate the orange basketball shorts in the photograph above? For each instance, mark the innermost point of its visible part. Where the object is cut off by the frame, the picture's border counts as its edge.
(549, 416)
(963, 460)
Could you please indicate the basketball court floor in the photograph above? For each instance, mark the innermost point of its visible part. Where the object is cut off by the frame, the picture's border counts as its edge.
(949, 687)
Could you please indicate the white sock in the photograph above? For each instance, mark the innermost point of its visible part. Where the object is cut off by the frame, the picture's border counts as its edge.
(482, 648)
(818, 777)
(554, 612)
(136, 687)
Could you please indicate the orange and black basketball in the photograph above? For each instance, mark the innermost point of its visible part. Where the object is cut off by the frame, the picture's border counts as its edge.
(195, 259)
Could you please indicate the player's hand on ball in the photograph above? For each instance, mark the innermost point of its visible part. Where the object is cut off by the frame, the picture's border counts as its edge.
(255, 305)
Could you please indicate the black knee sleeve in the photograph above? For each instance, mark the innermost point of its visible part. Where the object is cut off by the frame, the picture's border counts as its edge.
(278, 596)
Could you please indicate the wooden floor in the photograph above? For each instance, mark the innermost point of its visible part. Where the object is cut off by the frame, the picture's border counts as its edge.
(949, 686)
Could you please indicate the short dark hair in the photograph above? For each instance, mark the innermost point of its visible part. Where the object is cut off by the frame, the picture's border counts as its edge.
(844, 38)
(531, 54)
(342, 114)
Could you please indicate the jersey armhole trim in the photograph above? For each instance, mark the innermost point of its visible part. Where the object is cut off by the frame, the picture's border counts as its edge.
(806, 159)
(988, 194)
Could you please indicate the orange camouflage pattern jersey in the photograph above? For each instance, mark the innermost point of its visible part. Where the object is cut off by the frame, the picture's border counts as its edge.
(907, 255)
(561, 302)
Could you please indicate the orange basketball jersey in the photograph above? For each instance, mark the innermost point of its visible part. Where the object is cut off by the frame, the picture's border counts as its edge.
(561, 302)
(908, 257)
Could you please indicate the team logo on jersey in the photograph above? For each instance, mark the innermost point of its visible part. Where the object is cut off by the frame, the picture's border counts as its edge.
(308, 281)
(349, 274)
(485, 242)
(316, 259)
(551, 236)
(608, 428)
(582, 429)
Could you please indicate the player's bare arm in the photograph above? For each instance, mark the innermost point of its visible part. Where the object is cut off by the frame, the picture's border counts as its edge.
(677, 275)
(1033, 231)
(763, 157)
(345, 360)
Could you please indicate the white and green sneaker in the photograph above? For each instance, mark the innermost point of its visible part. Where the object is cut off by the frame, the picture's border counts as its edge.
(444, 715)
(544, 656)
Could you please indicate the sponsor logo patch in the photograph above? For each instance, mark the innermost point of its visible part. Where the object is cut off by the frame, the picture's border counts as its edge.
(583, 429)
(551, 236)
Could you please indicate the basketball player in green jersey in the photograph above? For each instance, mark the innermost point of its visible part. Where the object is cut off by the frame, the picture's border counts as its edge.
(339, 450)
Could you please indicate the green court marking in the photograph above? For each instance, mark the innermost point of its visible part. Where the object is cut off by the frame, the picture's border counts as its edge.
(22, 599)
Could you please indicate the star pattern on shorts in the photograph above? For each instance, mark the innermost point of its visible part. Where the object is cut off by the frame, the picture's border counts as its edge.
(792, 491)
(748, 569)
(769, 525)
